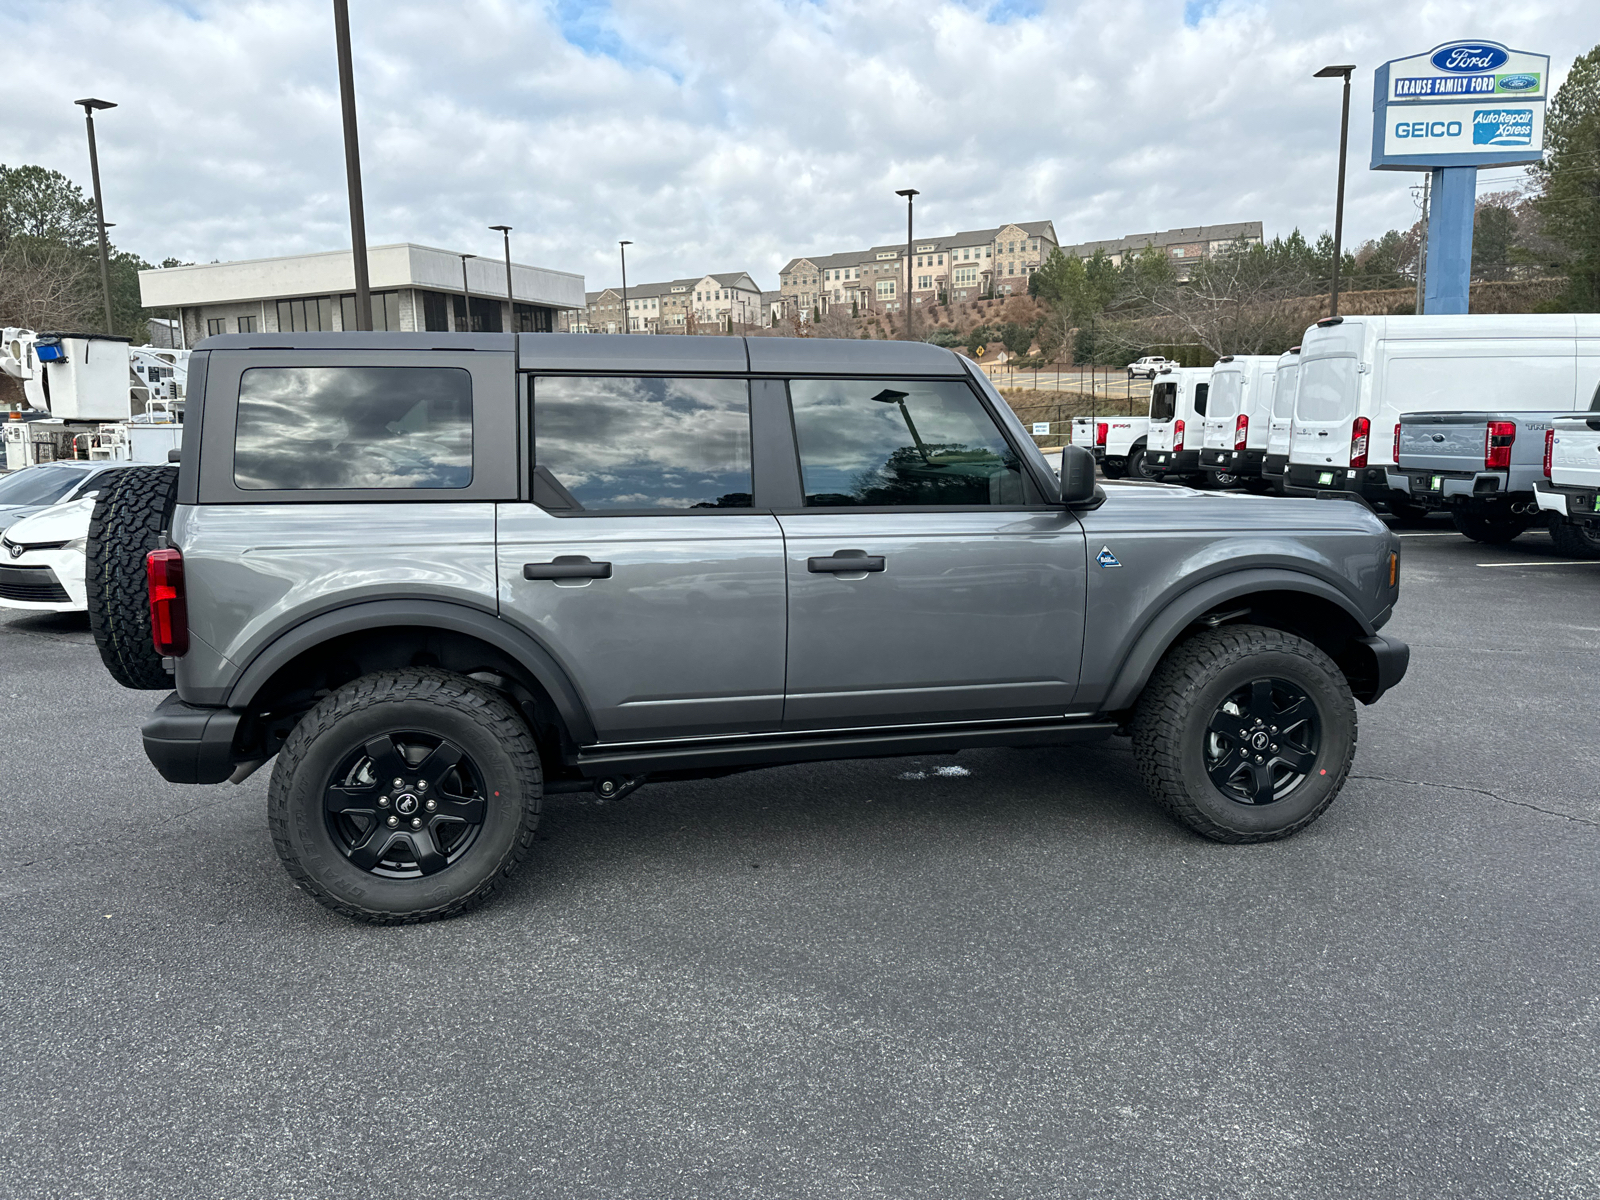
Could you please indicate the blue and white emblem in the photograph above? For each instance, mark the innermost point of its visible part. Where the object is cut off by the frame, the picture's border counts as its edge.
(1105, 558)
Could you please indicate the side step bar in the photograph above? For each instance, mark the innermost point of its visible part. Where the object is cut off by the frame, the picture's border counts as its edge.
(596, 762)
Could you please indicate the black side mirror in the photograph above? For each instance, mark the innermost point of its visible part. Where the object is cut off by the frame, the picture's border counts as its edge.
(1077, 477)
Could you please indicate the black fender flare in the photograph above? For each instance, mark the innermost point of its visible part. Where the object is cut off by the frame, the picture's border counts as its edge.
(1189, 606)
(432, 614)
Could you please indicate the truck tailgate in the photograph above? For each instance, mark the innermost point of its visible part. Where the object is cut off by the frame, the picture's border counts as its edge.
(1443, 441)
(1575, 453)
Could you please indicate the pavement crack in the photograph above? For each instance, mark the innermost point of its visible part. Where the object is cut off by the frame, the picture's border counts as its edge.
(1456, 787)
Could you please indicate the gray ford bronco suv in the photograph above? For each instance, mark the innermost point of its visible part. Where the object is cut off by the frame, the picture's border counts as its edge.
(433, 577)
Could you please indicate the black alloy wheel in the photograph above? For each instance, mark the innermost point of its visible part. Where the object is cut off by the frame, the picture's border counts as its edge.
(405, 805)
(1262, 741)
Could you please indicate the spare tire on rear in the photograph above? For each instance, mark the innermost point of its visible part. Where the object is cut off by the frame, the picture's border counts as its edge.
(132, 512)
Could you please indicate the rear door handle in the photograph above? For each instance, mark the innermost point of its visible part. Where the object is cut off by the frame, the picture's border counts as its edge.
(840, 563)
(567, 566)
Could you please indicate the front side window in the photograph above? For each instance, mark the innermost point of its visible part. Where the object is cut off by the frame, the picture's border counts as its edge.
(868, 442)
(650, 444)
(353, 427)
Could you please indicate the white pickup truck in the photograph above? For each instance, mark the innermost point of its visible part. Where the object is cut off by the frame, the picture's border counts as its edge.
(1148, 367)
(1571, 495)
(1118, 443)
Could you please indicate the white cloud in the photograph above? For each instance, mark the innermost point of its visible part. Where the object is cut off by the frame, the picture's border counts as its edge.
(720, 136)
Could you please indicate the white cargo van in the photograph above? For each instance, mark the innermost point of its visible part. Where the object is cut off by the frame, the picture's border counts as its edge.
(1177, 410)
(1276, 465)
(1237, 415)
(1358, 374)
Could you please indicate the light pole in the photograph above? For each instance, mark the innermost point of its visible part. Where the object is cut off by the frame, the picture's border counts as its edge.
(908, 193)
(352, 165)
(1344, 139)
(466, 294)
(622, 249)
(511, 301)
(89, 105)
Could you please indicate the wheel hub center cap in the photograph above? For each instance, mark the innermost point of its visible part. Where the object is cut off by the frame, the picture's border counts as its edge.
(1259, 740)
(406, 804)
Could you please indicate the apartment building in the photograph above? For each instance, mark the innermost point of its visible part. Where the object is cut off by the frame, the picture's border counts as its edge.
(1184, 247)
(707, 303)
(956, 266)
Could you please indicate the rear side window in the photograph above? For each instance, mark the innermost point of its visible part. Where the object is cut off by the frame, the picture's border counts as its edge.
(1283, 398)
(1163, 401)
(1327, 390)
(872, 442)
(620, 444)
(337, 428)
(1202, 392)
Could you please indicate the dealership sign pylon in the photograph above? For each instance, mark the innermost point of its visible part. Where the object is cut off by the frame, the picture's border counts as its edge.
(1458, 107)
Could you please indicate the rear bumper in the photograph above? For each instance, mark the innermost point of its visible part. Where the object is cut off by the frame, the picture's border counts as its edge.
(1234, 462)
(1448, 489)
(1579, 504)
(1273, 466)
(190, 744)
(1369, 484)
(1173, 462)
(1375, 665)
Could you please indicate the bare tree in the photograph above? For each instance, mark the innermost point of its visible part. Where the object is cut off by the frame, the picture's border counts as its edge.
(46, 285)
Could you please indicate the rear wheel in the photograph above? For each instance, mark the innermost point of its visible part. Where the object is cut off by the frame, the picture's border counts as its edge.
(1224, 479)
(1139, 466)
(1245, 734)
(1406, 512)
(131, 513)
(405, 796)
(1114, 468)
(1574, 540)
(1490, 531)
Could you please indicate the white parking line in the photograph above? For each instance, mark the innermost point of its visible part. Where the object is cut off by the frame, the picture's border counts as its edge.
(1563, 563)
(1447, 533)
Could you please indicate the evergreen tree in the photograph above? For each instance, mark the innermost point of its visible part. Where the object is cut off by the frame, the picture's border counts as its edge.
(1569, 179)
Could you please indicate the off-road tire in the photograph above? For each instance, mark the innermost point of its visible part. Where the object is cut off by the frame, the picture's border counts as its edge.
(473, 716)
(1483, 529)
(1574, 540)
(1172, 718)
(1407, 513)
(130, 514)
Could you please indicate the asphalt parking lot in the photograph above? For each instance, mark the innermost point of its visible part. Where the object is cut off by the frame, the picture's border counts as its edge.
(876, 979)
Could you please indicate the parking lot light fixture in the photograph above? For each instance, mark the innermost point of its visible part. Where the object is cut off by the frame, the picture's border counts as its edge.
(622, 249)
(1335, 72)
(905, 299)
(510, 299)
(89, 104)
(352, 164)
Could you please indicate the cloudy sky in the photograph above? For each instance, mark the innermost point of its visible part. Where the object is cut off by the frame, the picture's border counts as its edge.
(721, 136)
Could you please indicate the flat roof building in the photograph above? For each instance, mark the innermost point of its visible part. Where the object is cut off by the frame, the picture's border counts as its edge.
(414, 289)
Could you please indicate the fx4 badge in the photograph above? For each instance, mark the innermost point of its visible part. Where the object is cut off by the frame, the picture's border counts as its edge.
(1105, 558)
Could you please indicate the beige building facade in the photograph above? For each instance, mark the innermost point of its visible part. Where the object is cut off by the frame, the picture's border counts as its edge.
(703, 304)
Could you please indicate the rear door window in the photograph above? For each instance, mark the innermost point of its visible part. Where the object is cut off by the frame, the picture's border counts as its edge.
(874, 442)
(1163, 401)
(1225, 389)
(646, 445)
(1327, 391)
(1283, 398)
(340, 428)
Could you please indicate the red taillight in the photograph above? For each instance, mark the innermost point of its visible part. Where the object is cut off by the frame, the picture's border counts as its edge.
(1241, 431)
(1358, 441)
(169, 611)
(1177, 436)
(1497, 441)
(1397, 442)
(1100, 433)
(1549, 450)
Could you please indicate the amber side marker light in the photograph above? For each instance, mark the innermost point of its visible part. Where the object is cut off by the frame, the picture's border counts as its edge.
(1394, 568)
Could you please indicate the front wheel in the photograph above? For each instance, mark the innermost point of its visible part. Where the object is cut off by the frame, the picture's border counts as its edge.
(1245, 733)
(1487, 530)
(405, 796)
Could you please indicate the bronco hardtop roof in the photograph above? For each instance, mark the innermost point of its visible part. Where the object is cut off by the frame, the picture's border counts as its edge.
(637, 352)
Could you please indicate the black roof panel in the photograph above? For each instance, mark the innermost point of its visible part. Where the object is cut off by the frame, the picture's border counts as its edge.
(630, 352)
(813, 356)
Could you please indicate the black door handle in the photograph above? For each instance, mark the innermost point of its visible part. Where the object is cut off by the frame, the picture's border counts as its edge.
(567, 566)
(841, 563)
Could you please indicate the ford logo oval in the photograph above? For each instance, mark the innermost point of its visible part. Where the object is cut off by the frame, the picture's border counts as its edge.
(1519, 83)
(1467, 57)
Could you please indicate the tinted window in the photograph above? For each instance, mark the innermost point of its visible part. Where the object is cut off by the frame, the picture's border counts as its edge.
(1202, 392)
(354, 427)
(1163, 401)
(38, 485)
(1283, 397)
(661, 445)
(1327, 390)
(871, 442)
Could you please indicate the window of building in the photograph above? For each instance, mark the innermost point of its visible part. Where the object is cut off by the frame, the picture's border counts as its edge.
(216, 325)
(916, 442)
(885, 288)
(353, 427)
(658, 445)
(436, 309)
(485, 315)
(311, 315)
(247, 325)
(385, 311)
